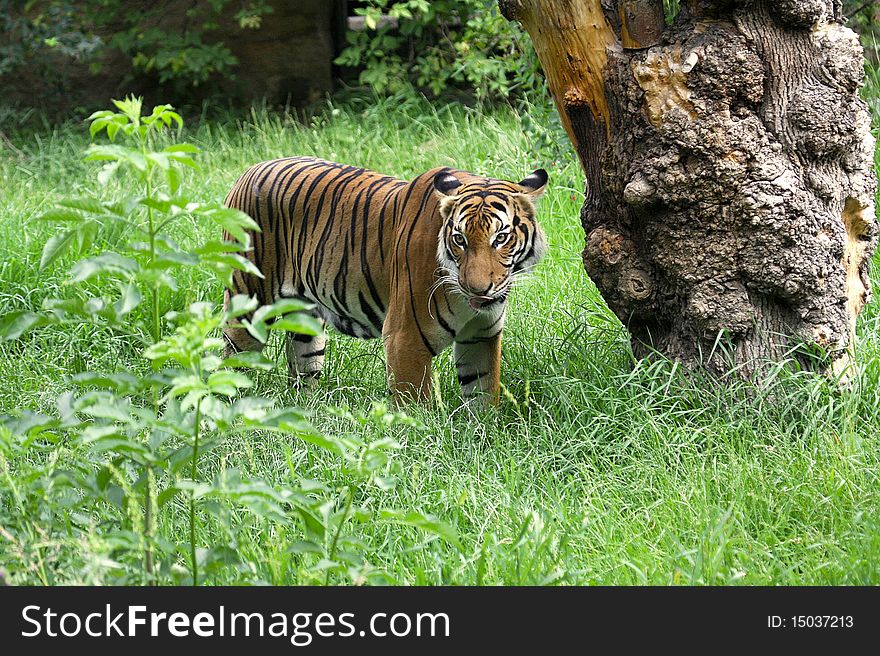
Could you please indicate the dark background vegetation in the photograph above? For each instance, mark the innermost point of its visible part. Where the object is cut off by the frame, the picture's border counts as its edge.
(64, 55)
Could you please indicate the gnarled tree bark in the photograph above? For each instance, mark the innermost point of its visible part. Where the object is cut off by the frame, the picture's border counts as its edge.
(729, 179)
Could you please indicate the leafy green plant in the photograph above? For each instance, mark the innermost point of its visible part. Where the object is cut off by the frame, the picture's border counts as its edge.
(140, 433)
(439, 46)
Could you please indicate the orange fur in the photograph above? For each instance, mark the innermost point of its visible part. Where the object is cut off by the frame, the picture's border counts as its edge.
(378, 256)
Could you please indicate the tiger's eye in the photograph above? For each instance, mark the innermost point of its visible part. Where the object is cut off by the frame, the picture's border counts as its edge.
(501, 239)
(459, 240)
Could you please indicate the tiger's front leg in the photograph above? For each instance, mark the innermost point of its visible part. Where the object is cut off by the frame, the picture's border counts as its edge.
(478, 364)
(409, 367)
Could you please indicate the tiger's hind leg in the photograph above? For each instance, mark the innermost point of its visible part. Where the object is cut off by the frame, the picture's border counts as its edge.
(305, 357)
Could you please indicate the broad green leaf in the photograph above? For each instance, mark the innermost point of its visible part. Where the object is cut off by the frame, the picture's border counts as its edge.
(91, 205)
(302, 324)
(195, 488)
(173, 177)
(181, 158)
(56, 246)
(235, 222)
(131, 107)
(106, 263)
(101, 113)
(121, 382)
(285, 306)
(385, 482)
(107, 409)
(258, 330)
(16, 323)
(235, 261)
(160, 205)
(313, 523)
(120, 445)
(211, 362)
(293, 421)
(97, 125)
(159, 159)
(241, 304)
(112, 438)
(181, 148)
(248, 360)
(308, 485)
(167, 259)
(167, 495)
(218, 246)
(130, 299)
(185, 385)
(252, 409)
(228, 382)
(86, 234)
(65, 215)
(168, 116)
(424, 522)
(304, 431)
(215, 558)
(116, 153)
(29, 423)
(158, 277)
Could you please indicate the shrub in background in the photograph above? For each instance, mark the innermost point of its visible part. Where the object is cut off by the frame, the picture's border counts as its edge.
(441, 46)
(44, 36)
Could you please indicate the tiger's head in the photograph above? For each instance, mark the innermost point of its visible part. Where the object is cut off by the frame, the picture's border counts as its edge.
(489, 235)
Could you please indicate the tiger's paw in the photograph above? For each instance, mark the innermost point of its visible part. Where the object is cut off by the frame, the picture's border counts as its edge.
(304, 381)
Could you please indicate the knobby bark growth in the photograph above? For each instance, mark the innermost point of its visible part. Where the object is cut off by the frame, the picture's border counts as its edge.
(729, 211)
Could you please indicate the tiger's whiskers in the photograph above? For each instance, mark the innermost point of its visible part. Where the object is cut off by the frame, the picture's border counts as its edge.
(447, 277)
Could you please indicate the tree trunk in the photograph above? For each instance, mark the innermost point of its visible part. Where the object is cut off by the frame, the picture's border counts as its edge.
(729, 212)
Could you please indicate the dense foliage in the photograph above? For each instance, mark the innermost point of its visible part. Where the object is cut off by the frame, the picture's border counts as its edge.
(47, 34)
(436, 46)
(135, 436)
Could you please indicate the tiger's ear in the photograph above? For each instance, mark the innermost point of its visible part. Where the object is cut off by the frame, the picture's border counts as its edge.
(535, 184)
(446, 187)
(445, 183)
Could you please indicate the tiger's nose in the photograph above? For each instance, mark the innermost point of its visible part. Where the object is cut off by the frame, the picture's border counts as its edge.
(473, 291)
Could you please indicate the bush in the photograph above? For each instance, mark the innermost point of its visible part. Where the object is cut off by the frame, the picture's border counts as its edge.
(442, 46)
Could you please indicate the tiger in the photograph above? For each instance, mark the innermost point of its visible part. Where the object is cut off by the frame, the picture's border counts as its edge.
(423, 264)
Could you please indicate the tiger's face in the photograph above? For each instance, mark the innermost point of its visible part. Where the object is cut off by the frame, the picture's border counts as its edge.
(490, 235)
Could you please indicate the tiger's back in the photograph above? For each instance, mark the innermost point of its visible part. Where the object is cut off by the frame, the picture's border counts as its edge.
(325, 228)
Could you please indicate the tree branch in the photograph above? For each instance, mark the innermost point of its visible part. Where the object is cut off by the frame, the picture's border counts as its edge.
(642, 22)
(571, 39)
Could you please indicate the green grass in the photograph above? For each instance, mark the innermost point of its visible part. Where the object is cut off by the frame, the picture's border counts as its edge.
(592, 471)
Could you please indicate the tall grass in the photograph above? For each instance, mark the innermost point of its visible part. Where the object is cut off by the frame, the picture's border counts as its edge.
(593, 470)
